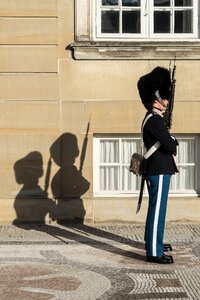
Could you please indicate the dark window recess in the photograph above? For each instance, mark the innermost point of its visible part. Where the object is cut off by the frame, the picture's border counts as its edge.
(130, 2)
(109, 2)
(183, 2)
(110, 22)
(183, 22)
(131, 22)
(162, 22)
(162, 3)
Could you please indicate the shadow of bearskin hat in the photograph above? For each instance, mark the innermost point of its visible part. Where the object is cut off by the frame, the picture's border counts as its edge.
(157, 80)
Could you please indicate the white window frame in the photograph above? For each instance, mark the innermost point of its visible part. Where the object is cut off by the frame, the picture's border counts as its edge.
(147, 13)
(97, 164)
(120, 193)
(119, 35)
(172, 9)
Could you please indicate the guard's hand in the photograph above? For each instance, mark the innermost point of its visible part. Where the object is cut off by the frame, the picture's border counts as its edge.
(173, 137)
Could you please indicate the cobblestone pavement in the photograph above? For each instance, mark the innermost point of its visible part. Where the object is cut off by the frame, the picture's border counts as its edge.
(89, 262)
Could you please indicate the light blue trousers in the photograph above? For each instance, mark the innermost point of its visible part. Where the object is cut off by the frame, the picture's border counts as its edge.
(158, 188)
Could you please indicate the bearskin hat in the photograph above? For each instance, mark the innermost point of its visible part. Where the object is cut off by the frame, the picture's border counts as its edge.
(157, 80)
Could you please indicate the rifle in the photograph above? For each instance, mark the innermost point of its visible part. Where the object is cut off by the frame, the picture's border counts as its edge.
(168, 114)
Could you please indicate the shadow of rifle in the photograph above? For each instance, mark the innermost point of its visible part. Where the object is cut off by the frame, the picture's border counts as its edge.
(84, 147)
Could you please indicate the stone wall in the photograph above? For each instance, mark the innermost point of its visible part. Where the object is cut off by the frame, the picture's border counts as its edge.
(47, 100)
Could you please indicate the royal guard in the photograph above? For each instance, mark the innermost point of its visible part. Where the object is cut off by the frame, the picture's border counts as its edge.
(155, 92)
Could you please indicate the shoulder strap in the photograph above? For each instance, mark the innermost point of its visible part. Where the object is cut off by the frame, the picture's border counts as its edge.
(152, 149)
(156, 145)
(146, 119)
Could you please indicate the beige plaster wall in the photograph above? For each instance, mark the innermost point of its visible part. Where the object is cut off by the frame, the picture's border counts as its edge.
(123, 209)
(45, 93)
(112, 98)
(29, 106)
(29, 8)
(28, 59)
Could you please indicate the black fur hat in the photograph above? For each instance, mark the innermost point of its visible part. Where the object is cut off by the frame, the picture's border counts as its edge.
(157, 80)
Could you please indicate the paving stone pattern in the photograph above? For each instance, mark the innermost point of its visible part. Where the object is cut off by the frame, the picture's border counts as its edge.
(96, 262)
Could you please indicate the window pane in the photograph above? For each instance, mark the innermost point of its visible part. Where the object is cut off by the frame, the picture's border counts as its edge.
(161, 2)
(109, 151)
(110, 22)
(128, 148)
(109, 2)
(162, 22)
(131, 2)
(186, 151)
(183, 21)
(185, 178)
(183, 3)
(131, 22)
(129, 182)
(109, 178)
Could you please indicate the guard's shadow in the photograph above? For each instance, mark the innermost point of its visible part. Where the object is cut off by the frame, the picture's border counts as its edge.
(75, 232)
(32, 203)
(68, 184)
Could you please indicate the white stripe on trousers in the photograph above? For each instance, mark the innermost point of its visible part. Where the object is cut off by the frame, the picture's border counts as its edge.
(157, 212)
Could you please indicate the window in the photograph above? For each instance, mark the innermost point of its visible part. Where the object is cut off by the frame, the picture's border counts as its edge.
(111, 166)
(136, 29)
(112, 159)
(146, 19)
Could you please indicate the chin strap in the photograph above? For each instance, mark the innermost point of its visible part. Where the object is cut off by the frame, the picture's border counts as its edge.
(158, 111)
(157, 94)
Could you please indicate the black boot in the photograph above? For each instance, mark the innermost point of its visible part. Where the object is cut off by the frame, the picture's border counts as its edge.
(167, 248)
(164, 259)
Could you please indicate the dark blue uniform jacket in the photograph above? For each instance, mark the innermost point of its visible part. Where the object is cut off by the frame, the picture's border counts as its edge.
(162, 160)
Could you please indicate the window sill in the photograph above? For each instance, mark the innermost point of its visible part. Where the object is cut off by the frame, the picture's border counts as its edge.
(137, 50)
(145, 195)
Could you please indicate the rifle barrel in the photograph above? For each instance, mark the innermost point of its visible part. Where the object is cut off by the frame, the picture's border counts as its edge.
(168, 115)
